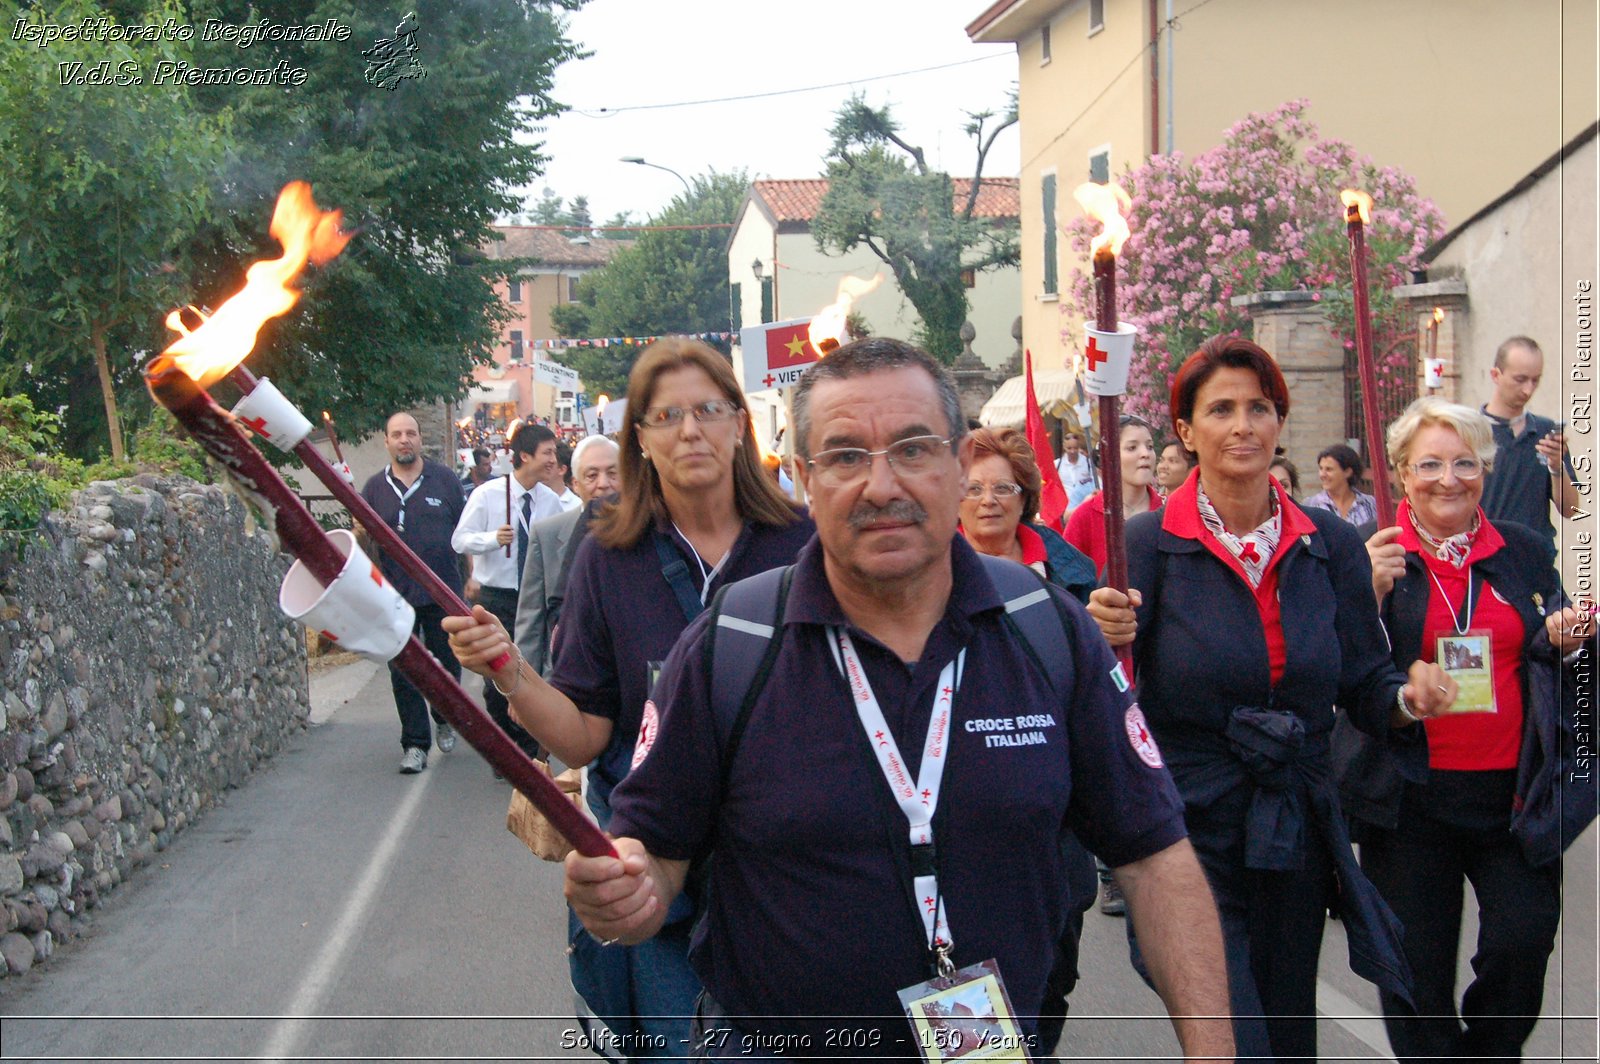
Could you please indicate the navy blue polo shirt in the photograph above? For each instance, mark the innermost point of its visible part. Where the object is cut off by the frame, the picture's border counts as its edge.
(1521, 487)
(812, 917)
(620, 618)
(431, 513)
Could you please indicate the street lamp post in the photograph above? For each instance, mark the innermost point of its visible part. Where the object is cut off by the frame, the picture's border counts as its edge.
(637, 161)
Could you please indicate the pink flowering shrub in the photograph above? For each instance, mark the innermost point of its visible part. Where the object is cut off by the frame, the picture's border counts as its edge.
(1259, 212)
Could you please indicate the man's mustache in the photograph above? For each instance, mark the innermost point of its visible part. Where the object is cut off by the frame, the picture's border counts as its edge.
(901, 510)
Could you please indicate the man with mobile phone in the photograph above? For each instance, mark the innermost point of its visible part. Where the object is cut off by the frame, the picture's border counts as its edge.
(1531, 465)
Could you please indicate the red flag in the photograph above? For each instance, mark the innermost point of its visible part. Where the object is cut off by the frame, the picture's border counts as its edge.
(790, 346)
(1052, 496)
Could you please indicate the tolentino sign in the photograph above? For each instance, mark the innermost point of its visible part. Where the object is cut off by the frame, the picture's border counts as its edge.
(555, 374)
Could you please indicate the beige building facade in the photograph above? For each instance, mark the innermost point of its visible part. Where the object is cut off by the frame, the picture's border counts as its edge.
(1467, 96)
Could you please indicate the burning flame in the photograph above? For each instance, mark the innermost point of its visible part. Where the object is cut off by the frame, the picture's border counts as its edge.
(826, 331)
(1438, 315)
(222, 341)
(1105, 204)
(1360, 200)
(602, 401)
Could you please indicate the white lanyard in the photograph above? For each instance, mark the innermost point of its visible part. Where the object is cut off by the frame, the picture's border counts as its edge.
(402, 496)
(1455, 618)
(919, 798)
(706, 576)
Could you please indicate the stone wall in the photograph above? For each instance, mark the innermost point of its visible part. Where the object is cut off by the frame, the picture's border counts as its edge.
(144, 669)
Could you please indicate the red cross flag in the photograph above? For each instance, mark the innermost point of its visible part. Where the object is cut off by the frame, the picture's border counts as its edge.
(776, 354)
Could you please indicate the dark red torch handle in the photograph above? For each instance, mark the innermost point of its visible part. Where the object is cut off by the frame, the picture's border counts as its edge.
(1366, 362)
(489, 739)
(215, 430)
(386, 537)
(1105, 305)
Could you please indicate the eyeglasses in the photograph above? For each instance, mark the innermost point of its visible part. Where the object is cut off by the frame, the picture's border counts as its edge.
(1431, 469)
(908, 457)
(664, 417)
(1001, 489)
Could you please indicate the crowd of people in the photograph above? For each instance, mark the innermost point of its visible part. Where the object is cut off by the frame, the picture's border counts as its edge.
(860, 757)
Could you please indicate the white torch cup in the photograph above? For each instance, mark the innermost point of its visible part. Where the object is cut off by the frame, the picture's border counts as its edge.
(360, 611)
(343, 469)
(1107, 357)
(1434, 367)
(269, 414)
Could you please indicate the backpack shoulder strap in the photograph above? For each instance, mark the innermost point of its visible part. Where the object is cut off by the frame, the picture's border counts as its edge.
(1036, 614)
(676, 573)
(741, 649)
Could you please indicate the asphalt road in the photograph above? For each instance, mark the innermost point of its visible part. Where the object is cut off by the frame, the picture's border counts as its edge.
(333, 909)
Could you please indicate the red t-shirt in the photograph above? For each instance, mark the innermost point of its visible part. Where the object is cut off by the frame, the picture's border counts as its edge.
(1473, 742)
(1086, 528)
(1182, 518)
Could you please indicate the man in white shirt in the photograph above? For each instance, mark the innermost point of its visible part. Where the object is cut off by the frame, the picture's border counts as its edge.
(1077, 472)
(498, 547)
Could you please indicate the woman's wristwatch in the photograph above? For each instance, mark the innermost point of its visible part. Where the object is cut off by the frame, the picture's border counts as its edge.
(1405, 710)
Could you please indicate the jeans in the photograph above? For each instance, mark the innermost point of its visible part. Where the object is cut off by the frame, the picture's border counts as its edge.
(502, 602)
(644, 994)
(413, 708)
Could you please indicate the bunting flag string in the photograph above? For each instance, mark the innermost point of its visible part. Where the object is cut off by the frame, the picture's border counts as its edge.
(564, 343)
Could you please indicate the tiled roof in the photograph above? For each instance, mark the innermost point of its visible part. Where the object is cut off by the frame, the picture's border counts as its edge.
(798, 201)
(551, 246)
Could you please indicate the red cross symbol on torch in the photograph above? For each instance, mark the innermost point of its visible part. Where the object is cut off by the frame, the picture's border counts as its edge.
(1094, 354)
(257, 424)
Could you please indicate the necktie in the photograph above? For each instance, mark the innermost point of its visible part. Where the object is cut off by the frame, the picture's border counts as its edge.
(522, 533)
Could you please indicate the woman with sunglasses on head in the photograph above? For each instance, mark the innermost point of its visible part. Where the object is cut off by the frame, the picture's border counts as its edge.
(696, 512)
(1497, 809)
(1250, 618)
(1086, 528)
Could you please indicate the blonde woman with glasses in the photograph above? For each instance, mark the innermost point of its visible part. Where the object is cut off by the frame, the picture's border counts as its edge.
(1496, 808)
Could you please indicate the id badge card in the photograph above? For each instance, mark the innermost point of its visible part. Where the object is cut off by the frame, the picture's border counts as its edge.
(965, 1015)
(1469, 659)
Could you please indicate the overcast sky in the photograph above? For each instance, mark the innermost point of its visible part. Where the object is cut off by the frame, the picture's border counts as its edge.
(669, 51)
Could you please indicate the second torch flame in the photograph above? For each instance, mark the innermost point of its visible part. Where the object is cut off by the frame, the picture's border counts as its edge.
(1362, 202)
(827, 330)
(1108, 205)
(210, 352)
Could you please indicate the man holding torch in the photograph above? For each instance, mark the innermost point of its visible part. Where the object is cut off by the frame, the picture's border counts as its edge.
(499, 550)
(823, 907)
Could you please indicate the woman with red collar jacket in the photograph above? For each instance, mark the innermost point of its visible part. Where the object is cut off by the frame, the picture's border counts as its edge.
(1500, 803)
(1250, 619)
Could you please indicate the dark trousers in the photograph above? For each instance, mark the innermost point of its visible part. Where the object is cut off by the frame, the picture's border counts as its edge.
(413, 708)
(1419, 869)
(1272, 924)
(502, 602)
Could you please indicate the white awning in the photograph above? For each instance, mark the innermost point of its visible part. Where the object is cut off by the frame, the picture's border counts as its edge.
(488, 393)
(1053, 387)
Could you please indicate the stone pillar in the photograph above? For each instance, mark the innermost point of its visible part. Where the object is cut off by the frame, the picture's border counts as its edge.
(1450, 296)
(1014, 367)
(1293, 328)
(974, 381)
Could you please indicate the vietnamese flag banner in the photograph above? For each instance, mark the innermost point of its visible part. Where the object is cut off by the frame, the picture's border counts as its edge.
(1052, 496)
(776, 354)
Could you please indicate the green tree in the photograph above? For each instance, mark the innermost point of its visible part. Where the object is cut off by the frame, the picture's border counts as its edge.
(103, 186)
(667, 281)
(421, 172)
(883, 194)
